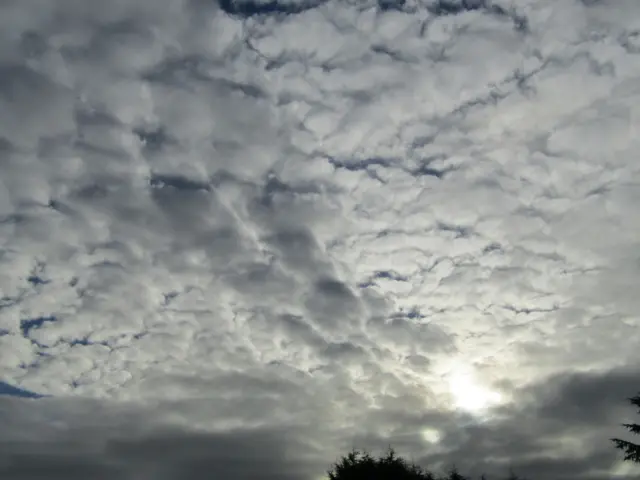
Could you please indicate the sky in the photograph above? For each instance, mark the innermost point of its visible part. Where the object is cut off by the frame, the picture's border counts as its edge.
(239, 238)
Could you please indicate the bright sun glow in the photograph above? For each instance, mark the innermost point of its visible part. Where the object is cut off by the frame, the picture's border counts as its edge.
(431, 435)
(470, 396)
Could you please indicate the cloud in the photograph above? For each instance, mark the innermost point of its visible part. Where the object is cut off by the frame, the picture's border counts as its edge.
(242, 217)
(111, 442)
(559, 428)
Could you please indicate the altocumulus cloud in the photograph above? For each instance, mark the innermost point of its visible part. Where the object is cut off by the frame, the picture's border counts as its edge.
(238, 238)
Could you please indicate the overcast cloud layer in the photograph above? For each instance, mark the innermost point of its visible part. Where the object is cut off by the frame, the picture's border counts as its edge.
(253, 234)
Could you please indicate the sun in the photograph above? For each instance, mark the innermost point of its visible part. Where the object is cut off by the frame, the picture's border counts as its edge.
(469, 395)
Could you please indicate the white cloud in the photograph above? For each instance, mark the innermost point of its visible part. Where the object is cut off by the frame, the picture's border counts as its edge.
(310, 213)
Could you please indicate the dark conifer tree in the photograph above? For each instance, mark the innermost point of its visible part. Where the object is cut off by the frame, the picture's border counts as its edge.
(631, 450)
(362, 466)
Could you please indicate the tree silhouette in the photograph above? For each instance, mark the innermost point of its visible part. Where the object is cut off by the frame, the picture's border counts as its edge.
(362, 466)
(631, 450)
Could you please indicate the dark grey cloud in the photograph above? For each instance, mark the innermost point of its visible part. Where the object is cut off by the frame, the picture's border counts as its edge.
(558, 429)
(80, 451)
